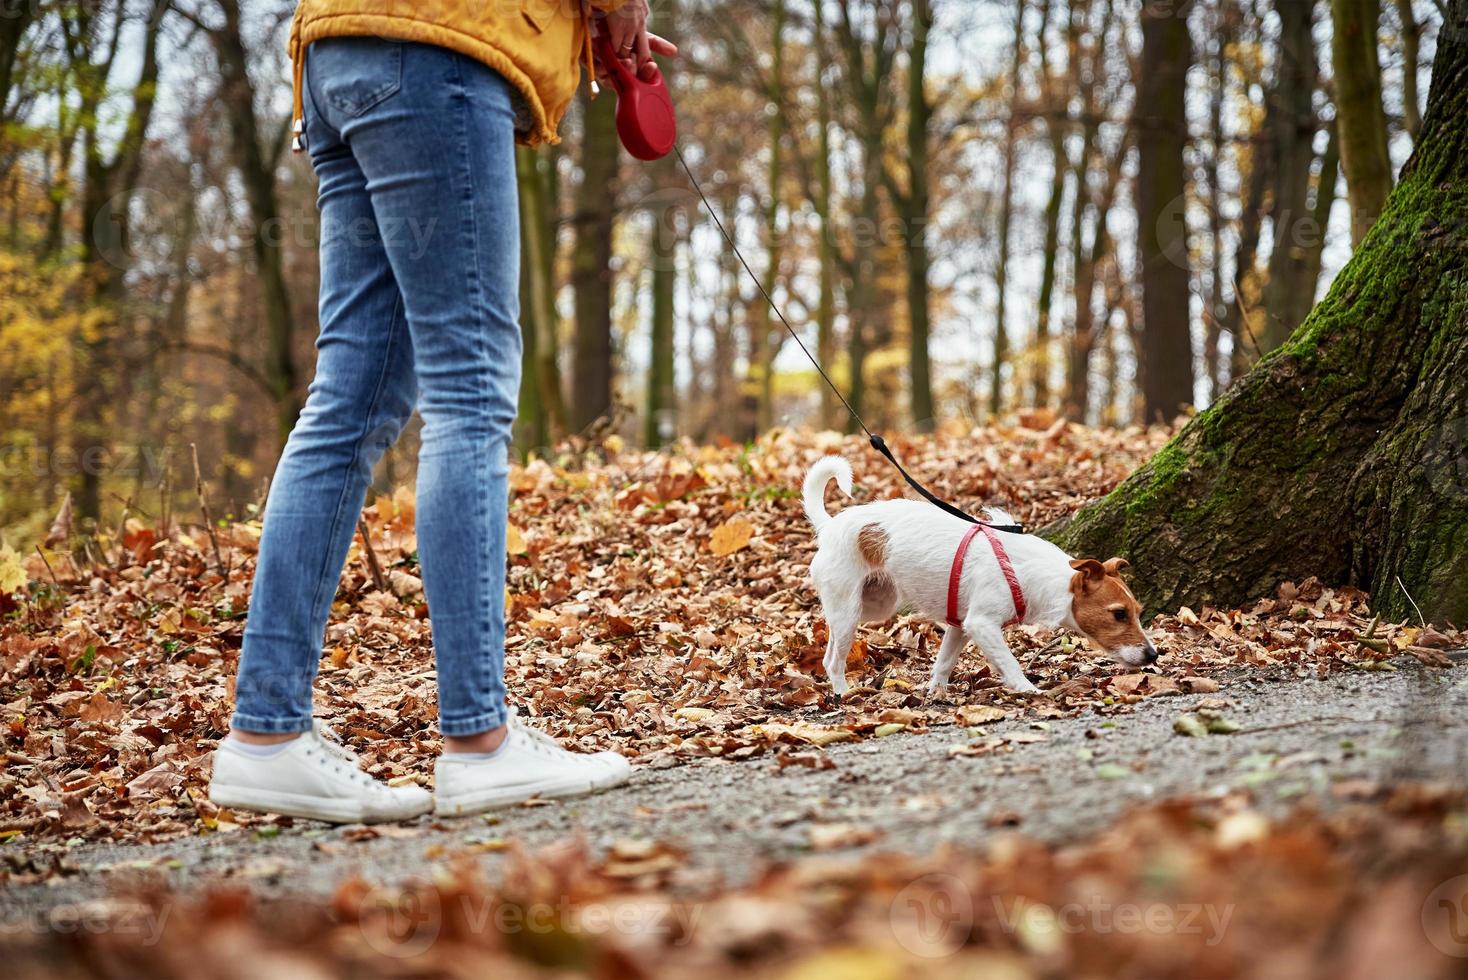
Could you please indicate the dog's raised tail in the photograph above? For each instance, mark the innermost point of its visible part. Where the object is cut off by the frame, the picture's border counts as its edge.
(814, 490)
(997, 515)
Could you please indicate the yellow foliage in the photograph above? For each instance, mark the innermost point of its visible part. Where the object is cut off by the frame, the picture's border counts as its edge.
(12, 573)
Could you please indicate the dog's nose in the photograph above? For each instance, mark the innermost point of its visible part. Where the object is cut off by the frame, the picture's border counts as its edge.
(1150, 654)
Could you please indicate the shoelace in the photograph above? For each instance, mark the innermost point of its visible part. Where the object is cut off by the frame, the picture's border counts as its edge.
(342, 758)
(539, 741)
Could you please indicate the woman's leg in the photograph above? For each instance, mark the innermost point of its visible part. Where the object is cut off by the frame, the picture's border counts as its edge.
(440, 166)
(430, 134)
(361, 397)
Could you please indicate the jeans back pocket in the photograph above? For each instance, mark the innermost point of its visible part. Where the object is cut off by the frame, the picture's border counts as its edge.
(353, 74)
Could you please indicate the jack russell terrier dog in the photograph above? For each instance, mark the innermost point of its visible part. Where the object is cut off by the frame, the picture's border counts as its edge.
(874, 558)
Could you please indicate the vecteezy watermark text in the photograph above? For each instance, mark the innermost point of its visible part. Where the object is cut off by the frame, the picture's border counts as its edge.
(147, 463)
(934, 916)
(1099, 916)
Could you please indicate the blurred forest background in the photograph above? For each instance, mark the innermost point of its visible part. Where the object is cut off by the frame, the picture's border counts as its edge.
(972, 210)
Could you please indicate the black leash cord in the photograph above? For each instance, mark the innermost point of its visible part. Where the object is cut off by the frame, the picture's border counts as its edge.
(878, 443)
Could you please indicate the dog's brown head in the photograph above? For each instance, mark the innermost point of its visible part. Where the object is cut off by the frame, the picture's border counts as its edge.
(1107, 612)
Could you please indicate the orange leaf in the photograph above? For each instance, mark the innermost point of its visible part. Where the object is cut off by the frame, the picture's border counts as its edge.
(731, 536)
(101, 709)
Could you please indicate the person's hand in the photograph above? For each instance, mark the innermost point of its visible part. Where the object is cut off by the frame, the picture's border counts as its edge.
(627, 29)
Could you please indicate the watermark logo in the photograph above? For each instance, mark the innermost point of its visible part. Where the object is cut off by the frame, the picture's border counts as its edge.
(933, 916)
(1445, 917)
(401, 922)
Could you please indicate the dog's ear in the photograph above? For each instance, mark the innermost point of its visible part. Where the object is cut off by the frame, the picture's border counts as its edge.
(1089, 574)
(1115, 565)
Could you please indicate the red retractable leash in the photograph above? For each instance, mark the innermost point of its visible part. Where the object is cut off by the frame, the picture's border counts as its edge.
(648, 127)
(645, 118)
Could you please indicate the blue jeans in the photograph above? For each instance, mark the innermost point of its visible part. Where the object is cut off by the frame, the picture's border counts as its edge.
(413, 147)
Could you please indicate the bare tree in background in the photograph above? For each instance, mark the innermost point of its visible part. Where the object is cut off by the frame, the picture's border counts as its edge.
(92, 36)
(1096, 177)
(1006, 215)
(868, 38)
(1411, 38)
(1288, 295)
(591, 262)
(826, 247)
(1359, 113)
(1223, 28)
(660, 422)
(911, 205)
(768, 338)
(1161, 125)
(1055, 91)
(257, 149)
(542, 403)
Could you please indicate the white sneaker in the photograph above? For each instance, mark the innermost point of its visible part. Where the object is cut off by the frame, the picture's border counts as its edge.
(315, 778)
(616, 770)
(529, 763)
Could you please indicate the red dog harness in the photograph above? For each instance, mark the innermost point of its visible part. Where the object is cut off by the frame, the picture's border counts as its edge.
(1005, 566)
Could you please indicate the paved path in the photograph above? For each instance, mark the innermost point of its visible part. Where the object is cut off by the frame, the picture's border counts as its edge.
(1300, 738)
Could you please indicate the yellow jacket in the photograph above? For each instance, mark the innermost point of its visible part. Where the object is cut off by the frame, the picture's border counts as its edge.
(535, 44)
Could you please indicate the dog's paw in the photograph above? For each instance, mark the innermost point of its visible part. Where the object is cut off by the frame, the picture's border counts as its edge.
(1026, 688)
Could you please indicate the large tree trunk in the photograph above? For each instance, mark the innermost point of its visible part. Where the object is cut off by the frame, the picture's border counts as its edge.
(591, 273)
(1161, 124)
(1359, 114)
(1340, 455)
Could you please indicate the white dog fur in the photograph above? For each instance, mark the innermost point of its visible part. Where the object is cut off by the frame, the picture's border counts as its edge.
(918, 542)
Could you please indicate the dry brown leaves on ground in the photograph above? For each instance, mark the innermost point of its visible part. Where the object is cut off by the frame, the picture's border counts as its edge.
(659, 605)
(1168, 891)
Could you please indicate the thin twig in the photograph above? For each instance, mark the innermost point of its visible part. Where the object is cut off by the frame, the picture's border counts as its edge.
(1244, 332)
(204, 508)
(54, 580)
(1413, 601)
(378, 579)
(131, 504)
